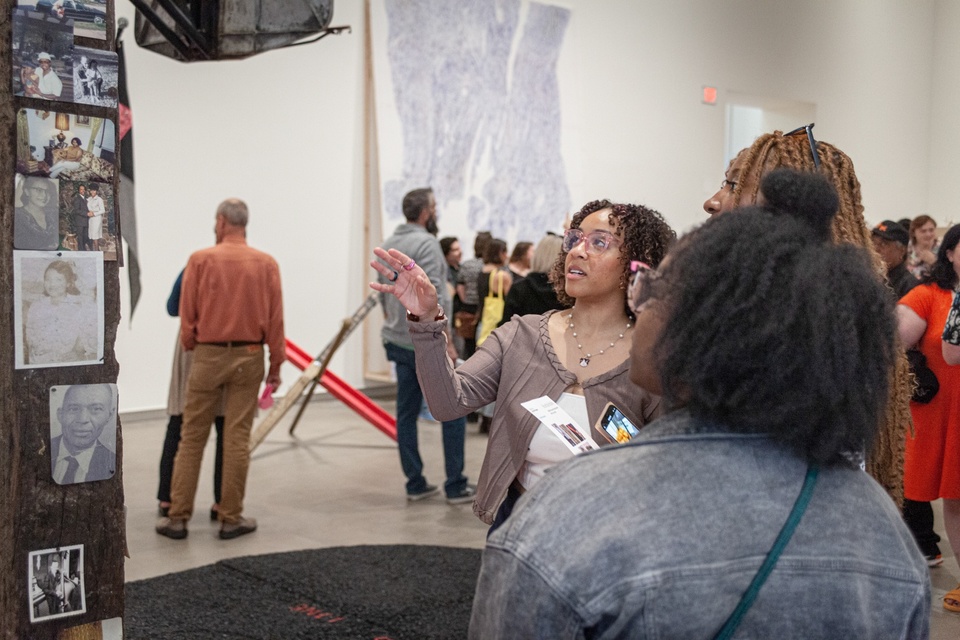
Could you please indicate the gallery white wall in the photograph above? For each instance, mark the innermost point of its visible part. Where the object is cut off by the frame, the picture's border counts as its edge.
(285, 131)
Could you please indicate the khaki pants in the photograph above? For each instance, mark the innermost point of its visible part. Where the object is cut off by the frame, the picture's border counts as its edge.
(233, 375)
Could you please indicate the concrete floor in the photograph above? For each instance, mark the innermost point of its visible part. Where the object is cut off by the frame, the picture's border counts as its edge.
(337, 482)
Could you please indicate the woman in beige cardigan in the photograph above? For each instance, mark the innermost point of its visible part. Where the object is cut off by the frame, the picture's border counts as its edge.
(577, 357)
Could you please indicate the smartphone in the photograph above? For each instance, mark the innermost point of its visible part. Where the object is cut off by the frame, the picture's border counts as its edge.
(615, 426)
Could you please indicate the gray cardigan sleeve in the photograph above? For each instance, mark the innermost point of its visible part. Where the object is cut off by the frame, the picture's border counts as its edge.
(452, 393)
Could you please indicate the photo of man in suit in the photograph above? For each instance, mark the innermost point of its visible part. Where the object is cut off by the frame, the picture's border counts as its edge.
(80, 218)
(88, 412)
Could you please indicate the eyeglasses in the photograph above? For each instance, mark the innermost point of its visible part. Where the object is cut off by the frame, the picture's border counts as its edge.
(596, 241)
(813, 143)
(641, 285)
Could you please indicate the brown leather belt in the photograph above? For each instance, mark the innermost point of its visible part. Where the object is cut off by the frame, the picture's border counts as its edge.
(234, 343)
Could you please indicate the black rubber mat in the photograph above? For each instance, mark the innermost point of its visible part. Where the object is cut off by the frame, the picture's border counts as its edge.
(395, 592)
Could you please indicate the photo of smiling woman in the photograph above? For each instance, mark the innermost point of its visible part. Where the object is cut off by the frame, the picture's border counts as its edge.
(83, 432)
(577, 357)
(58, 309)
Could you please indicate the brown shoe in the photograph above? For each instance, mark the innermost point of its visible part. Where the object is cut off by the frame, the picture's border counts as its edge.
(239, 528)
(176, 529)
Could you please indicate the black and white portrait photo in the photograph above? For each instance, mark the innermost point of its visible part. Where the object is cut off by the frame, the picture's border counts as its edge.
(56, 583)
(58, 308)
(36, 219)
(83, 432)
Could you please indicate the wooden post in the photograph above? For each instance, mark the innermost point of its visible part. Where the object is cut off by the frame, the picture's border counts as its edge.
(35, 512)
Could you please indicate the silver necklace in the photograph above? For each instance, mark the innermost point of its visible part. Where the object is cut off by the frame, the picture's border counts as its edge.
(585, 357)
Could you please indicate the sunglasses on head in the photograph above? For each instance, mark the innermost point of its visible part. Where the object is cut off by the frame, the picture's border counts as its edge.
(808, 129)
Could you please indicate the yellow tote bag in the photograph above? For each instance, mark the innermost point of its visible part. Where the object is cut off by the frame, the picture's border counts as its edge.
(492, 309)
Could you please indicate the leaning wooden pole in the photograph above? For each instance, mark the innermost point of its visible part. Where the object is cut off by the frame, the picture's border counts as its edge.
(35, 512)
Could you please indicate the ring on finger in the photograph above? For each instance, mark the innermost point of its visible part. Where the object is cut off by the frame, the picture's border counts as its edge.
(395, 276)
(410, 265)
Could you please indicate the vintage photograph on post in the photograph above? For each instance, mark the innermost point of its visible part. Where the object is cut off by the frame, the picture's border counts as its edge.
(55, 584)
(89, 19)
(42, 56)
(55, 145)
(95, 77)
(83, 432)
(88, 217)
(36, 219)
(58, 308)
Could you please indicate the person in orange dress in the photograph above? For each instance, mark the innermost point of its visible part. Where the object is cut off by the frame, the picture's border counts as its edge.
(932, 457)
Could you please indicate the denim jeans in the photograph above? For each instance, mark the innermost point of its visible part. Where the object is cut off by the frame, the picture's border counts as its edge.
(409, 399)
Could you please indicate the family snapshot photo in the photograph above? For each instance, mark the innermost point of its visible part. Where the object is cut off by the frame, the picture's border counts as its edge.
(66, 146)
(88, 220)
(42, 56)
(64, 215)
(88, 18)
(56, 585)
(95, 77)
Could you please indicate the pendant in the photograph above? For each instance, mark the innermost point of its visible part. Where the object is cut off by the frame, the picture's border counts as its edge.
(584, 362)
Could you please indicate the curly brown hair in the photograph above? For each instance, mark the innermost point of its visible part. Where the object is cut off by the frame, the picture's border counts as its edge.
(773, 150)
(645, 234)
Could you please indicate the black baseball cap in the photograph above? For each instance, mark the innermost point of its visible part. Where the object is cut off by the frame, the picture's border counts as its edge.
(890, 230)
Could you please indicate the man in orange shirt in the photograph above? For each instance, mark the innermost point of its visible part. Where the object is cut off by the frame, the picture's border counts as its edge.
(230, 306)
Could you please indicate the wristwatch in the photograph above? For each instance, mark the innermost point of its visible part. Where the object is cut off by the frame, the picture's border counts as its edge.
(415, 318)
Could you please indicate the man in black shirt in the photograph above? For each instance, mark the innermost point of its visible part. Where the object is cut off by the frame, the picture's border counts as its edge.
(890, 240)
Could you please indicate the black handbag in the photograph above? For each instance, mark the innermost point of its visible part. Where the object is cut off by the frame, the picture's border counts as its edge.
(927, 383)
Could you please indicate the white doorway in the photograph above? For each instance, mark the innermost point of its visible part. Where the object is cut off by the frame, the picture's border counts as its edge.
(749, 116)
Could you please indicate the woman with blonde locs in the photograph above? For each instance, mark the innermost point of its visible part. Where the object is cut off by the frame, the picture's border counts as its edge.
(798, 149)
(577, 357)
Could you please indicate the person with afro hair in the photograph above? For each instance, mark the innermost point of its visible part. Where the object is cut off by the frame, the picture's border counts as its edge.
(799, 150)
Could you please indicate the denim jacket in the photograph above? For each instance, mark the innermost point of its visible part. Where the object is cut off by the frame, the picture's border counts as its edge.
(660, 537)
